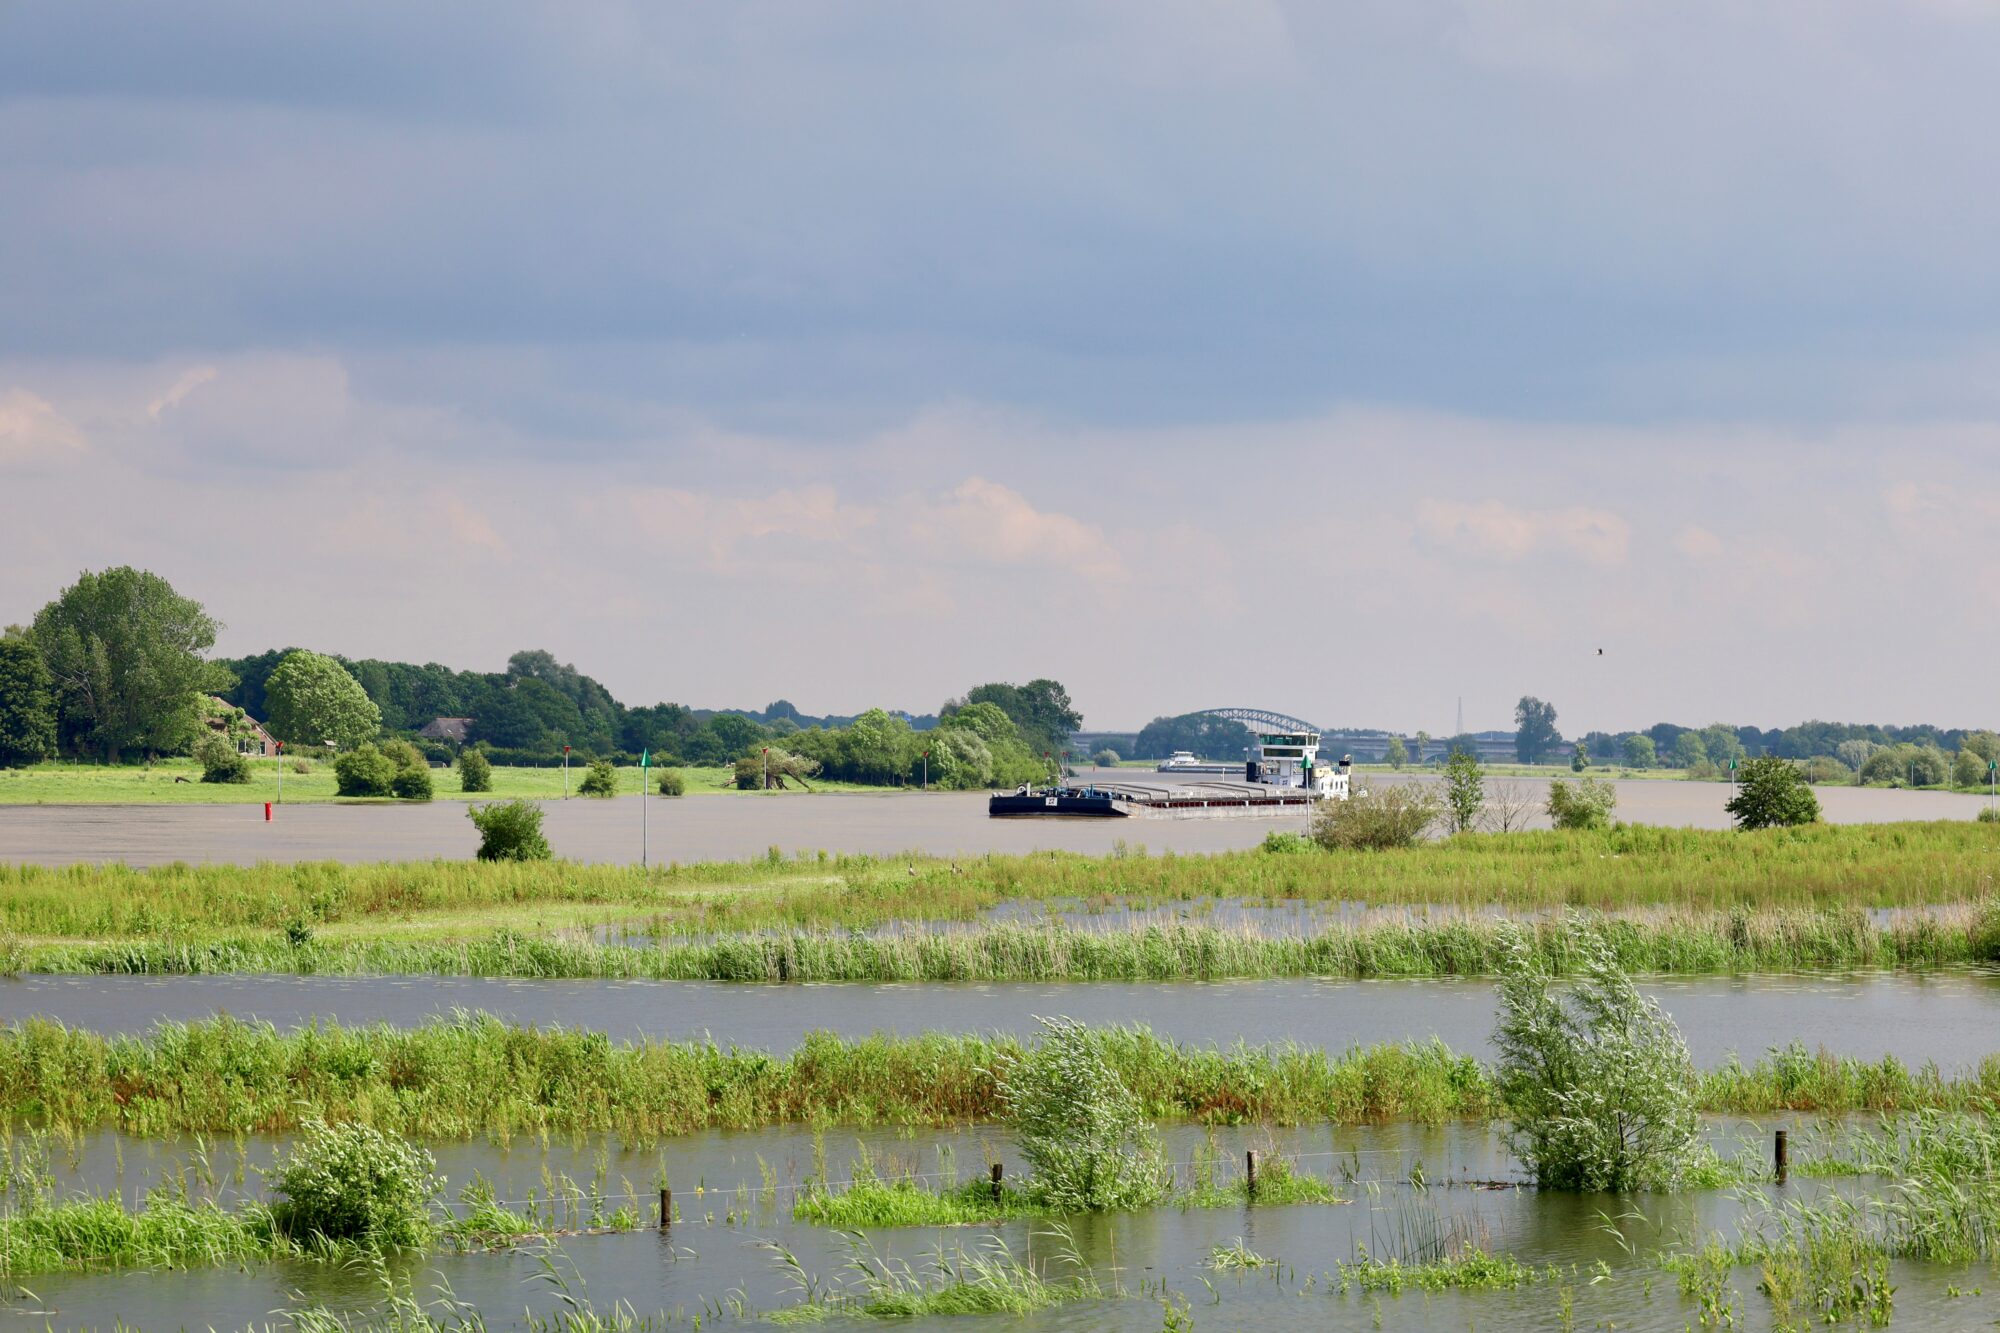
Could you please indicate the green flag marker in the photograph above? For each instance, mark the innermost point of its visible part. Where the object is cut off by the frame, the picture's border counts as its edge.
(645, 758)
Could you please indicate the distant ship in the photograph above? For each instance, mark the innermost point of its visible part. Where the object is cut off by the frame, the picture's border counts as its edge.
(1285, 775)
(1179, 759)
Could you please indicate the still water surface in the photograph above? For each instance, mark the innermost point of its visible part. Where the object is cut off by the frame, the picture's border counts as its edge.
(1951, 1017)
(711, 828)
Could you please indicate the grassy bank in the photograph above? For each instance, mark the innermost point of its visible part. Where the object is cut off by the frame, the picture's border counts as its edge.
(441, 902)
(178, 782)
(478, 1076)
(1649, 941)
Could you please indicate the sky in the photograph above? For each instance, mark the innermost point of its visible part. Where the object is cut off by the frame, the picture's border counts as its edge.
(1344, 359)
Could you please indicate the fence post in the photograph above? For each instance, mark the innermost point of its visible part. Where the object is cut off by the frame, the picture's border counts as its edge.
(1781, 1157)
(997, 1169)
(1250, 1173)
(666, 1208)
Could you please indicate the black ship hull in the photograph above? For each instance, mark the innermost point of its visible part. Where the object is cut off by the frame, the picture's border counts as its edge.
(1061, 803)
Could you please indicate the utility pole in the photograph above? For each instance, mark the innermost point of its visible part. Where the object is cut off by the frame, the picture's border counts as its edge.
(565, 772)
(927, 770)
(767, 768)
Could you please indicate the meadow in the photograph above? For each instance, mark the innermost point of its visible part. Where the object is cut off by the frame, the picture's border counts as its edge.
(475, 1075)
(1672, 899)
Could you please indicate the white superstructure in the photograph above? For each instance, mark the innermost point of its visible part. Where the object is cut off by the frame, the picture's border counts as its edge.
(1179, 759)
(1291, 759)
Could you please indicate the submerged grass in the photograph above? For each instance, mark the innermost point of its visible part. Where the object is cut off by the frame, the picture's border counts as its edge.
(477, 1075)
(1651, 941)
(1821, 866)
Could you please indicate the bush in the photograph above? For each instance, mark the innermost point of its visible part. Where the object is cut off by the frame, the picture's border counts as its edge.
(352, 1183)
(750, 773)
(1773, 794)
(511, 831)
(219, 760)
(1597, 1081)
(1585, 804)
(474, 772)
(1105, 758)
(404, 755)
(412, 784)
(364, 771)
(1392, 817)
(1988, 815)
(1087, 1146)
(302, 766)
(672, 783)
(1277, 843)
(600, 779)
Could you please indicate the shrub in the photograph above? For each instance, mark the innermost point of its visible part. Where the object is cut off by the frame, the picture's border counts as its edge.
(750, 773)
(1988, 815)
(404, 755)
(600, 779)
(1585, 804)
(363, 771)
(475, 773)
(302, 766)
(1773, 794)
(412, 784)
(1597, 1081)
(1392, 817)
(1087, 1146)
(1279, 843)
(349, 1182)
(510, 831)
(219, 760)
(1105, 758)
(672, 783)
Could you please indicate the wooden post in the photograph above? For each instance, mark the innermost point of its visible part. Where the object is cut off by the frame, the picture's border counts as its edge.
(997, 1170)
(666, 1208)
(1781, 1157)
(1250, 1172)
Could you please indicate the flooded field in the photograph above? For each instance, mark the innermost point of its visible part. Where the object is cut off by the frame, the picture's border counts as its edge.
(732, 828)
(733, 1195)
(1952, 1018)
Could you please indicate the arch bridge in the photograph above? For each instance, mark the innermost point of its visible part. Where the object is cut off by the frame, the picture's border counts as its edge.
(1260, 719)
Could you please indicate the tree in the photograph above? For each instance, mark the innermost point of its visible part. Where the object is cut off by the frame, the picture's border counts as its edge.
(1105, 758)
(1855, 753)
(1772, 793)
(1423, 743)
(1508, 806)
(220, 761)
(1639, 752)
(1969, 769)
(27, 704)
(1197, 733)
(1535, 731)
(1688, 750)
(475, 771)
(364, 771)
(509, 831)
(124, 652)
(1586, 804)
(1395, 816)
(1082, 1131)
(1041, 709)
(1464, 791)
(1721, 745)
(313, 700)
(601, 779)
(1917, 765)
(1596, 1080)
(1397, 754)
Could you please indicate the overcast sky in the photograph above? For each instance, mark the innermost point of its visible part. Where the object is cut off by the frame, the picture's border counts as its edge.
(1339, 358)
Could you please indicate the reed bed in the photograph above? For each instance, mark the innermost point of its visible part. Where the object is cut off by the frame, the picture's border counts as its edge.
(1879, 865)
(477, 1076)
(1660, 940)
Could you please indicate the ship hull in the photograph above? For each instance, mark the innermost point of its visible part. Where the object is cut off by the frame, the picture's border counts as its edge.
(1054, 805)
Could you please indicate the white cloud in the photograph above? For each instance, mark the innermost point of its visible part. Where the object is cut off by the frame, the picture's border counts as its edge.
(33, 432)
(987, 521)
(1501, 531)
(189, 381)
(1697, 543)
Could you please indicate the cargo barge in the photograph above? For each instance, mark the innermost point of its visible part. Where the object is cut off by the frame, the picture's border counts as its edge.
(1286, 776)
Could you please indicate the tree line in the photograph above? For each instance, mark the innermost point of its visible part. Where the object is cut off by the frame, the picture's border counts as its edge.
(116, 667)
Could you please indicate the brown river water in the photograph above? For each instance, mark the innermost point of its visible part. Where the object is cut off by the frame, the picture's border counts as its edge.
(721, 828)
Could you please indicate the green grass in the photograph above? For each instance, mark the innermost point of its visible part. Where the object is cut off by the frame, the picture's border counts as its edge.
(103, 1233)
(476, 1076)
(1657, 942)
(1729, 900)
(1473, 1270)
(984, 1278)
(63, 782)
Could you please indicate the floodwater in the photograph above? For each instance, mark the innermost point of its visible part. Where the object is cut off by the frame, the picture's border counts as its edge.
(722, 828)
(717, 1254)
(1950, 1017)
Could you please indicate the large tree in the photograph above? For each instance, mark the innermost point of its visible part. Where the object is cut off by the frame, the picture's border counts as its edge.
(1041, 709)
(1535, 731)
(125, 652)
(27, 704)
(313, 699)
